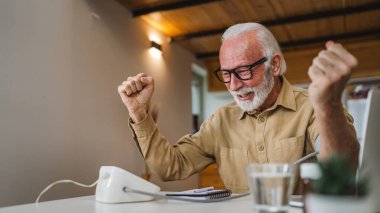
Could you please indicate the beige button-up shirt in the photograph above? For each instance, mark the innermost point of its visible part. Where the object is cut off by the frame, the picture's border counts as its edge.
(232, 138)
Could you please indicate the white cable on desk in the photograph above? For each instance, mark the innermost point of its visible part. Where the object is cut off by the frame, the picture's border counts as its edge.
(125, 189)
(64, 181)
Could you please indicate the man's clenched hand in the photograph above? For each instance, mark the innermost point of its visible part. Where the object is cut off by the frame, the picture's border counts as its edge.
(136, 93)
(329, 74)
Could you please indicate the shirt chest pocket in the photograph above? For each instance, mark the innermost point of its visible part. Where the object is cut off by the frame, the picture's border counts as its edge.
(289, 150)
(232, 167)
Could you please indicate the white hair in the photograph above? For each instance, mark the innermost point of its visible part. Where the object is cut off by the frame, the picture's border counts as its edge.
(265, 38)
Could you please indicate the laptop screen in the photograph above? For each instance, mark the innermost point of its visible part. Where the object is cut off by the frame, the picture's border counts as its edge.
(370, 150)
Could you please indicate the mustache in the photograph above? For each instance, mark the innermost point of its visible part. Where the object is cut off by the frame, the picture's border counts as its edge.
(242, 91)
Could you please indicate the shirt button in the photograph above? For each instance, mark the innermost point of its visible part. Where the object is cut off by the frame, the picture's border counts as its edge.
(251, 112)
(261, 148)
(261, 119)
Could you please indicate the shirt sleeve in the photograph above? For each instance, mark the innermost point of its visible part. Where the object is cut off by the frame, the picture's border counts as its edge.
(189, 155)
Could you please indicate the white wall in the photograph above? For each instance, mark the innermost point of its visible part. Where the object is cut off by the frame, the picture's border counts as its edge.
(212, 100)
(215, 100)
(60, 114)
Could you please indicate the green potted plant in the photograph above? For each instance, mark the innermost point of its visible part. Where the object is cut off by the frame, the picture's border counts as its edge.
(337, 189)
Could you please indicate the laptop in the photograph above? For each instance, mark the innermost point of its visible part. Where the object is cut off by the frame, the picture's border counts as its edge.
(370, 150)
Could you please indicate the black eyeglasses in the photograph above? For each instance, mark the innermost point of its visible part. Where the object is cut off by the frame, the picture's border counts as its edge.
(242, 73)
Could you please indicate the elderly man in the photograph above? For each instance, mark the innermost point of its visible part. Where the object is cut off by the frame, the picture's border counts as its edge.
(270, 121)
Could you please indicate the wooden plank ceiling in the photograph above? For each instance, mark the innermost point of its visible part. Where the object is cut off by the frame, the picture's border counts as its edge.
(300, 26)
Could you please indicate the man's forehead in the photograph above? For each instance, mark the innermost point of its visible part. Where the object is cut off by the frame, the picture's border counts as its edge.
(238, 52)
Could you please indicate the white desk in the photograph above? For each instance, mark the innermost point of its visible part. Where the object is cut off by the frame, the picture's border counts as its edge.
(88, 204)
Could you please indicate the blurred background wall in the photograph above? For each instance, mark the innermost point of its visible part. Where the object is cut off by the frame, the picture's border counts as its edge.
(60, 114)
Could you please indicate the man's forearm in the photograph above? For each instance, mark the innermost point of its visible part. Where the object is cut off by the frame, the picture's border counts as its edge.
(168, 161)
(337, 135)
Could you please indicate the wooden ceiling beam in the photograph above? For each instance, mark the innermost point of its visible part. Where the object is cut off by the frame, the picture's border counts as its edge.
(290, 20)
(170, 6)
(345, 36)
(311, 41)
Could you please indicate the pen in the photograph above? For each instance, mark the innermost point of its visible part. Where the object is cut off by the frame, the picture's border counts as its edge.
(205, 189)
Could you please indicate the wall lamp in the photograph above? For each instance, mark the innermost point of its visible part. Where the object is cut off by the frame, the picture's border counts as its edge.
(155, 49)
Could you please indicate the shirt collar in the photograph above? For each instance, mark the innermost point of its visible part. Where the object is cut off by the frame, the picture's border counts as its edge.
(285, 99)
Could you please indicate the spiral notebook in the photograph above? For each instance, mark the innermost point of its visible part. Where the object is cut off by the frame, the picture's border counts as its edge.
(202, 194)
(196, 195)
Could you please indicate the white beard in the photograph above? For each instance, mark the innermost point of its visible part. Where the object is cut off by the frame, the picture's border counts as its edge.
(261, 92)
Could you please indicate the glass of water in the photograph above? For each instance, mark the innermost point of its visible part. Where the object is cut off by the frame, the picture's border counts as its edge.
(271, 186)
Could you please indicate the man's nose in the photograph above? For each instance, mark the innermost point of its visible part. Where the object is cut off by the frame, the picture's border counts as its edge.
(235, 83)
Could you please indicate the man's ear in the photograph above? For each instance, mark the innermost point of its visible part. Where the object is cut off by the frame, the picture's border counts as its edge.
(276, 65)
